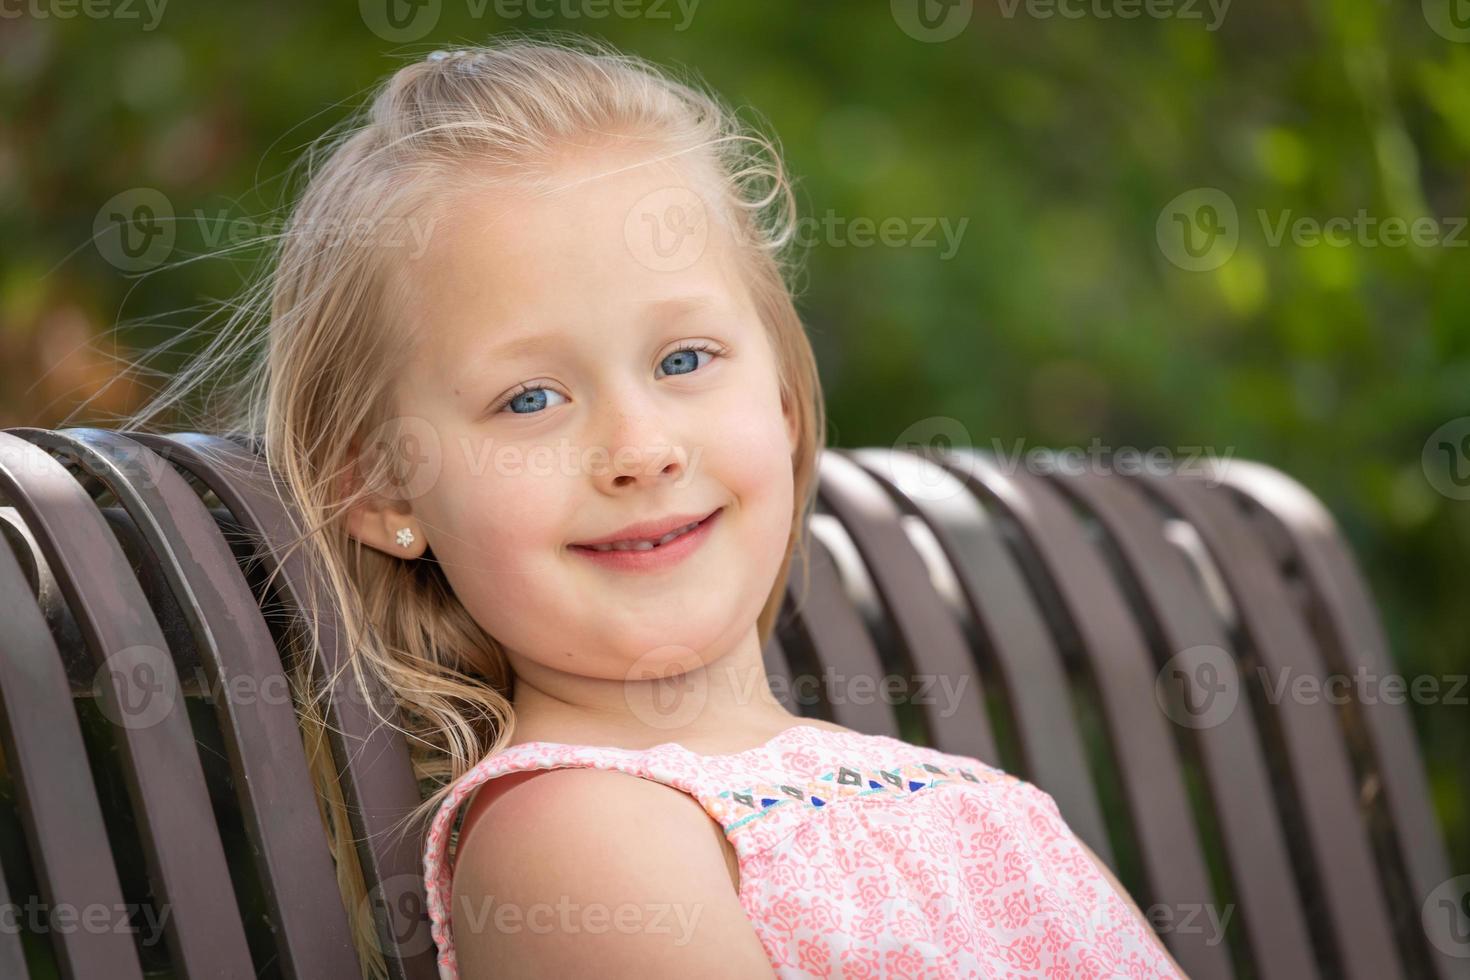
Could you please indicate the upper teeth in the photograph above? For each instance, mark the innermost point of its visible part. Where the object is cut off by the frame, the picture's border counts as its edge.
(646, 544)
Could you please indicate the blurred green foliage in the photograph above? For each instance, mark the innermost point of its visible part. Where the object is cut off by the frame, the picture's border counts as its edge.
(1056, 143)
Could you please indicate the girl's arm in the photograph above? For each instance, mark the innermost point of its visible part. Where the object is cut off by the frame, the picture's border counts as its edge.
(1132, 905)
(585, 872)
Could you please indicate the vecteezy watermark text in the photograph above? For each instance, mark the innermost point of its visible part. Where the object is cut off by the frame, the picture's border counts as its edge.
(1191, 919)
(399, 21)
(1119, 9)
(937, 21)
(941, 690)
(1200, 230)
(89, 9)
(137, 229)
(1100, 459)
(1201, 687)
(838, 231)
(1364, 229)
(94, 918)
(566, 917)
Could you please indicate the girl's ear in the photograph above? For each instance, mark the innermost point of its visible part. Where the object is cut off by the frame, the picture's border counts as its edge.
(377, 520)
(791, 424)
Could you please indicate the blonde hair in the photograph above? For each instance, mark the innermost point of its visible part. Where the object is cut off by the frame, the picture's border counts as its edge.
(314, 354)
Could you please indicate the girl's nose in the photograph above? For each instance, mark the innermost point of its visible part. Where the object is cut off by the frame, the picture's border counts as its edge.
(641, 445)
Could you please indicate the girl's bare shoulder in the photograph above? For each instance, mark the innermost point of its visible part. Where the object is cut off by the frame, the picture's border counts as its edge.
(562, 858)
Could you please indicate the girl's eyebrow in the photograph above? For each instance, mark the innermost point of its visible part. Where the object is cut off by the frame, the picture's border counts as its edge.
(661, 311)
(524, 345)
(669, 310)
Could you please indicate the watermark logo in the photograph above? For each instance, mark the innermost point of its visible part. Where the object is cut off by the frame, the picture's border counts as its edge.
(932, 21)
(143, 682)
(1199, 230)
(1198, 687)
(1445, 916)
(1450, 19)
(1446, 458)
(666, 687)
(667, 230)
(409, 448)
(135, 229)
(399, 21)
(925, 445)
(398, 907)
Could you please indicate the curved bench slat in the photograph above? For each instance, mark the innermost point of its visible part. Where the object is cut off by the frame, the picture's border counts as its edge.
(378, 783)
(1027, 662)
(1231, 755)
(1123, 675)
(277, 799)
(1339, 859)
(12, 953)
(165, 780)
(59, 809)
(831, 632)
(931, 641)
(1353, 638)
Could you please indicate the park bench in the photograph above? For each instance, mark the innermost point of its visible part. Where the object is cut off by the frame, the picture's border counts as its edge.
(1120, 640)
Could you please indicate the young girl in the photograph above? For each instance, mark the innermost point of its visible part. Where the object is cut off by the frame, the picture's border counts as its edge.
(556, 421)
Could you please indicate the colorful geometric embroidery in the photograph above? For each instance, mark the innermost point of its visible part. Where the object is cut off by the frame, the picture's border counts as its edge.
(753, 802)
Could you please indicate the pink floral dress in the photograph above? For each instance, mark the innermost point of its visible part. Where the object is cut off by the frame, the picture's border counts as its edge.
(865, 856)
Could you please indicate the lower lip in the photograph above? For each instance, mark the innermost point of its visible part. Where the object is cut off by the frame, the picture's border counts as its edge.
(654, 559)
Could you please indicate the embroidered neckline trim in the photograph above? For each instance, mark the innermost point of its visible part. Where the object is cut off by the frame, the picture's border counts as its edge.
(844, 782)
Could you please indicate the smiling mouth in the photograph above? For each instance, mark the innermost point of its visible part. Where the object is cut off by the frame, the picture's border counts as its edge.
(648, 544)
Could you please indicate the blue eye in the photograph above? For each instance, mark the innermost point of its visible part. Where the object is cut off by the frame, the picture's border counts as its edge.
(686, 358)
(530, 400)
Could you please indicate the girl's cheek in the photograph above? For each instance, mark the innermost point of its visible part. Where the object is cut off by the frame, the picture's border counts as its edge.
(756, 440)
(511, 515)
(501, 555)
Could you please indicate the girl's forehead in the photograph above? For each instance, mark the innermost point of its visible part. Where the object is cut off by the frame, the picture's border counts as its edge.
(577, 201)
(621, 241)
(616, 234)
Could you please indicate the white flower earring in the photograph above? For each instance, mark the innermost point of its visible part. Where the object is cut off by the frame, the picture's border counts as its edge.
(405, 537)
